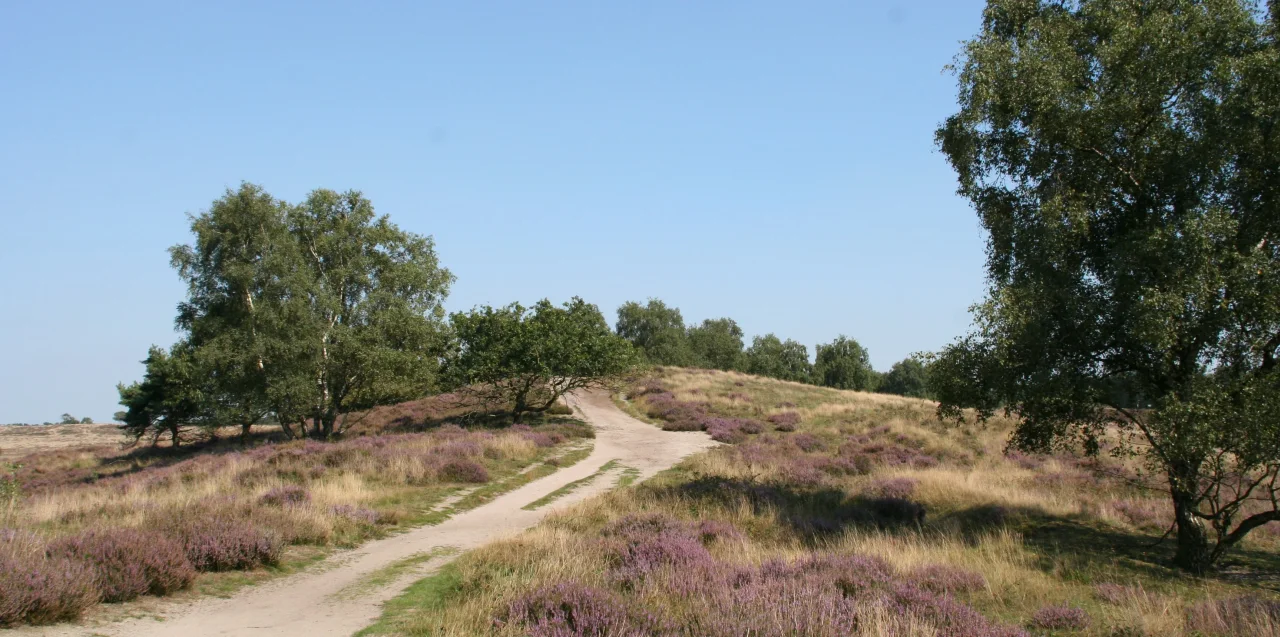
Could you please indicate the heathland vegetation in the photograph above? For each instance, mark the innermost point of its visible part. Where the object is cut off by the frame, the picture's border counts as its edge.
(1103, 458)
(845, 513)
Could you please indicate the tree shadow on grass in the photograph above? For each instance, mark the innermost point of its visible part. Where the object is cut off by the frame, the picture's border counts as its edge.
(1089, 546)
(813, 513)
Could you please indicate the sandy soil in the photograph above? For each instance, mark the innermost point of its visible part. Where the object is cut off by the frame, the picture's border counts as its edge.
(329, 598)
(20, 440)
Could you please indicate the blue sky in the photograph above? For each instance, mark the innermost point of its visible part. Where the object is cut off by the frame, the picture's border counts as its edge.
(771, 162)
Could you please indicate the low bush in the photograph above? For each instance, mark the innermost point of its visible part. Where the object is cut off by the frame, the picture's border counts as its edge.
(464, 471)
(226, 543)
(1060, 618)
(36, 588)
(285, 495)
(128, 563)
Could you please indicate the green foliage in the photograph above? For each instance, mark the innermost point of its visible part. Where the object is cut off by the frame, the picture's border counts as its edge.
(772, 357)
(68, 419)
(907, 377)
(1125, 159)
(529, 357)
(657, 331)
(717, 344)
(309, 311)
(844, 364)
(169, 397)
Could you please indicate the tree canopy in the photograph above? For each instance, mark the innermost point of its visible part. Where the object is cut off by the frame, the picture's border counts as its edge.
(844, 364)
(657, 331)
(717, 344)
(305, 312)
(1124, 158)
(530, 357)
(907, 377)
(773, 357)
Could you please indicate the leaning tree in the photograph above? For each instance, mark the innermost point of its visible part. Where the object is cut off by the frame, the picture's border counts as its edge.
(1124, 158)
(527, 358)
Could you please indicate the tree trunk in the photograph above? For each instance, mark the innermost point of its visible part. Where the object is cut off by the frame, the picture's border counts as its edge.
(1193, 553)
(244, 431)
(173, 431)
(517, 412)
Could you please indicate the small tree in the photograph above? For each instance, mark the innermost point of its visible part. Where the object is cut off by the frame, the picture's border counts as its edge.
(86, 421)
(844, 364)
(717, 344)
(906, 378)
(529, 358)
(785, 360)
(68, 419)
(1125, 159)
(167, 400)
(657, 331)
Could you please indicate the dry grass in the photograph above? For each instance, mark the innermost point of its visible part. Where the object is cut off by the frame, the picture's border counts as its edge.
(1040, 531)
(303, 493)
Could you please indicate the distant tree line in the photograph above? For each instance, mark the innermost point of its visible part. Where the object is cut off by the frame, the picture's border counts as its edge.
(661, 336)
(66, 419)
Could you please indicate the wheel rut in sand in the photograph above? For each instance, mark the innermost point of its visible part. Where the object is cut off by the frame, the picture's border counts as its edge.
(345, 593)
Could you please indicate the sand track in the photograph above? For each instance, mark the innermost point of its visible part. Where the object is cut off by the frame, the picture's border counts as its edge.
(333, 598)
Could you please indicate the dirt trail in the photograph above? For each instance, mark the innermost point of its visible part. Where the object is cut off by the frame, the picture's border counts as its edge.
(332, 598)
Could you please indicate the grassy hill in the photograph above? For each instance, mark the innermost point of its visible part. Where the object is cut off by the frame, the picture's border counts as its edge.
(831, 513)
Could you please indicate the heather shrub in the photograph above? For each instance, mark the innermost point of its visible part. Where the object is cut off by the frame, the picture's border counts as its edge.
(948, 616)
(1060, 618)
(785, 421)
(464, 471)
(216, 542)
(569, 609)
(717, 531)
(36, 588)
(807, 442)
(941, 578)
(357, 514)
(289, 494)
(899, 488)
(128, 563)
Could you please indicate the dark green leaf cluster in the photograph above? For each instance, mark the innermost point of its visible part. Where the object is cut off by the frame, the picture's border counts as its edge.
(529, 358)
(1125, 159)
(304, 312)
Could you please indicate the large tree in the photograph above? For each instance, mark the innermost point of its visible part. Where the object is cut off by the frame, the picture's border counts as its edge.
(657, 331)
(773, 357)
(844, 364)
(1124, 157)
(309, 311)
(716, 343)
(527, 358)
(907, 377)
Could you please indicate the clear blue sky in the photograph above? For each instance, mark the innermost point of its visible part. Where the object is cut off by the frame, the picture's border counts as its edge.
(771, 162)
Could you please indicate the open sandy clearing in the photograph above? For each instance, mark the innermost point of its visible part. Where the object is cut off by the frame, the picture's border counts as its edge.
(345, 593)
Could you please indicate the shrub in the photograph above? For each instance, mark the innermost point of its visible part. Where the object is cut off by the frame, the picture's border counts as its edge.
(128, 563)
(559, 409)
(941, 578)
(807, 442)
(900, 488)
(354, 513)
(289, 494)
(464, 471)
(785, 421)
(1060, 618)
(224, 543)
(38, 589)
(569, 609)
(717, 531)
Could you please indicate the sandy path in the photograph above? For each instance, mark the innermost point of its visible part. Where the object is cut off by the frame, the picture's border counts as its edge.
(329, 599)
